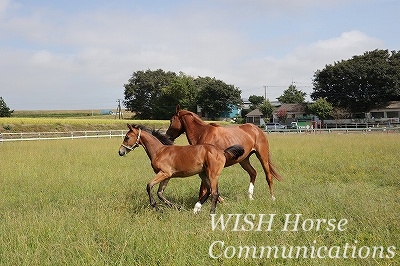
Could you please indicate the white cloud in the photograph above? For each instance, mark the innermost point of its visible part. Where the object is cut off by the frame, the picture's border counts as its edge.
(92, 53)
(300, 64)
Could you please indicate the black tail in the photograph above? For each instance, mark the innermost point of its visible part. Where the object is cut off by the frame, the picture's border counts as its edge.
(234, 152)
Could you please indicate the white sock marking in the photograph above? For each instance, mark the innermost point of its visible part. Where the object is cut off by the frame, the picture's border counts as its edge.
(251, 191)
(197, 207)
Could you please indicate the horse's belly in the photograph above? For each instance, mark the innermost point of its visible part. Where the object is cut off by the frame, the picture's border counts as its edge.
(187, 171)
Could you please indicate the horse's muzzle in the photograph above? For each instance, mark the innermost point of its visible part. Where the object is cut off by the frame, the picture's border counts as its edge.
(122, 152)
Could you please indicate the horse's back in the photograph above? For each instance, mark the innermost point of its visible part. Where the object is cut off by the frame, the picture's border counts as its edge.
(223, 137)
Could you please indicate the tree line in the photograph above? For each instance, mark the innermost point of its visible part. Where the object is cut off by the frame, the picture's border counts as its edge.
(155, 94)
(351, 86)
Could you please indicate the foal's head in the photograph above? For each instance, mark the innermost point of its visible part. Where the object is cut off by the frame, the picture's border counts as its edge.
(131, 140)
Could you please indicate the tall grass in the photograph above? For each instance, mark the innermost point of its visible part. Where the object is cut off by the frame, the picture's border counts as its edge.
(76, 202)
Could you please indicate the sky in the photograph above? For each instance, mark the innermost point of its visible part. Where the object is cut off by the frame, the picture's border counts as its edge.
(58, 55)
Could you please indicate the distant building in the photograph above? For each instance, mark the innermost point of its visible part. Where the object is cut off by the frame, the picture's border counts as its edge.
(225, 115)
(293, 110)
(389, 113)
(255, 117)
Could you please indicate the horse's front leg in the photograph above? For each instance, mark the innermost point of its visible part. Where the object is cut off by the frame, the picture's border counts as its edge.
(160, 192)
(160, 176)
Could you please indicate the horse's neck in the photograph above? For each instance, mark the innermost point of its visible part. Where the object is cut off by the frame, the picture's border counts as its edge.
(195, 129)
(151, 144)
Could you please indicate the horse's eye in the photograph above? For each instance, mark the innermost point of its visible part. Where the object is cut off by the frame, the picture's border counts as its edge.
(126, 138)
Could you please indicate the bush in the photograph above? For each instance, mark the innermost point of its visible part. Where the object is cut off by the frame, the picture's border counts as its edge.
(4, 109)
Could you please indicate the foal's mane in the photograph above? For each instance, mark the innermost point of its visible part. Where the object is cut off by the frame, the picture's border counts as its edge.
(164, 139)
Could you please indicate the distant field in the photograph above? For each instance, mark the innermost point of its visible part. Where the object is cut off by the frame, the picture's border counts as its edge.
(71, 120)
(17, 124)
(76, 202)
(56, 113)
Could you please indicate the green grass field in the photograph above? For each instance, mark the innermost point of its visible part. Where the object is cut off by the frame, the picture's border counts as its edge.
(76, 202)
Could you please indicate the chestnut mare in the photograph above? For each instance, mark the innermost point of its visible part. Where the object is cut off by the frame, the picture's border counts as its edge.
(170, 161)
(251, 137)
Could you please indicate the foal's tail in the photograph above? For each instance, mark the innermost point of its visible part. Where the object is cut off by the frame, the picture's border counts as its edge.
(233, 152)
(272, 169)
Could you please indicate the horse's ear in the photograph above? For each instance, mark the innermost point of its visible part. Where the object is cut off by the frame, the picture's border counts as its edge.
(178, 108)
(129, 126)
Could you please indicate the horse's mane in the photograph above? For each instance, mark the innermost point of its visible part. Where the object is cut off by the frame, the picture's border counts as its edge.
(197, 119)
(214, 125)
(164, 139)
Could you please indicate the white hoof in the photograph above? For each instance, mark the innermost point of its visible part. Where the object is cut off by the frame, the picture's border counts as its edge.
(273, 198)
(251, 197)
(197, 207)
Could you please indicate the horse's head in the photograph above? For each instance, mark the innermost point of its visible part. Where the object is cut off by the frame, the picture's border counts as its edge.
(131, 140)
(176, 126)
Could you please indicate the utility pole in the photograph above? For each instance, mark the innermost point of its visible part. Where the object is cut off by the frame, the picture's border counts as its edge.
(265, 92)
(119, 112)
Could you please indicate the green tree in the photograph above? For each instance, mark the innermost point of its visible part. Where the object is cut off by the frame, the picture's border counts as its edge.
(256, 101)
(292, 95)
(361, 83)
(182, 90)
(143, 93)
(4, 109)
(216, 97)
(321, 108)
(266, 109)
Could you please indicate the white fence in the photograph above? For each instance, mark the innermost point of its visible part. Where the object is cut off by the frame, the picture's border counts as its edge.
(61, 135)
(338, 130)
(4, 137)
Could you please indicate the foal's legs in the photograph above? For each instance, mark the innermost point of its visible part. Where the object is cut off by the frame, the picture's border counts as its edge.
(160, 176)
(204, 189)
(213, 174)
(214, 193)
(252, 173)
(212, 188)
(160, 192)
(204, 192)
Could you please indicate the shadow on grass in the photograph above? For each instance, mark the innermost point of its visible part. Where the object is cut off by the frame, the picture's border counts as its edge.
(138, 204)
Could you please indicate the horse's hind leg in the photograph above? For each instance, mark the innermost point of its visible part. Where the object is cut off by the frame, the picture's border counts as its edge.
(214, 193)
(160, 192)
(204, 192)
(213, 171)
(263, 157)
(252, 173)
(204, 189)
